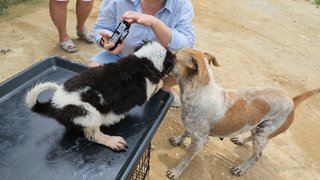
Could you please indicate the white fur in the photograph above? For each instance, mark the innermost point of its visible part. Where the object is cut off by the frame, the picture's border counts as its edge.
(92, 119)
(62, 98)
(111, 118)
(32, 95)
(153, 51)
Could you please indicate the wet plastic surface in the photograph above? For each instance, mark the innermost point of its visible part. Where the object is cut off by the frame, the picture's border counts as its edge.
(35, 147)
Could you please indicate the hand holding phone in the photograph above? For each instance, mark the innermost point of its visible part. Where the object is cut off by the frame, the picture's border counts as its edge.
(119, 34)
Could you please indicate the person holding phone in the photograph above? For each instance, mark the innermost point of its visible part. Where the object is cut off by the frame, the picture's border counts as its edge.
(167, 21)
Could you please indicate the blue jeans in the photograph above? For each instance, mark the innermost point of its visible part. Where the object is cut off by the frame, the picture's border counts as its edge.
(104, 57)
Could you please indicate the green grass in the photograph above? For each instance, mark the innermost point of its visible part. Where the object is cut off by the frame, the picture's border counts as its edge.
(7, 6)
(317, 2)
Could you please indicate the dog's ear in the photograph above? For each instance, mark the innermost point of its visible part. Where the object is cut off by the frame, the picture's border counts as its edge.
(200, 66)
(200, 61)
(191, 63)
(212, 59)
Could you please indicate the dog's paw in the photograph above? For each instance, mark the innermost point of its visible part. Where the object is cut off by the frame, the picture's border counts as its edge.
(175, 140)
(173, 174)
(237, 171)
(117, 143)
(236, 140)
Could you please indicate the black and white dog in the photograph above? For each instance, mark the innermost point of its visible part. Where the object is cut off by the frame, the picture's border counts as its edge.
(104, 95)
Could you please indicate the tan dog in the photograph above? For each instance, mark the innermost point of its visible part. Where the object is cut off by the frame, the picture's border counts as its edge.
(210, 110)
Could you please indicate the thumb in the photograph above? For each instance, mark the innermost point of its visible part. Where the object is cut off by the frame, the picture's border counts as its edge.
(105, 35)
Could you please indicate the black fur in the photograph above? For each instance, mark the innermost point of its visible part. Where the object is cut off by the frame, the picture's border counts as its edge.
(168, 63)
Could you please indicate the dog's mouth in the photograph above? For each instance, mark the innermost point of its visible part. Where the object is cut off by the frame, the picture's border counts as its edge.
(168, 64)
(168, 69)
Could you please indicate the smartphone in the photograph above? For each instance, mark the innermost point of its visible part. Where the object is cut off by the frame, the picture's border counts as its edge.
(119, 34)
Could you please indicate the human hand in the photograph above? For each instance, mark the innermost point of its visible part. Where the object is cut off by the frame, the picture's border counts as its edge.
(139, 18)
(108, 45)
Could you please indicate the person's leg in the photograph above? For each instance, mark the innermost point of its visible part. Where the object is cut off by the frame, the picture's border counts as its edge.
(58, 13)
(94, 64)
(83, 9)
(169, 82)
(103, 57)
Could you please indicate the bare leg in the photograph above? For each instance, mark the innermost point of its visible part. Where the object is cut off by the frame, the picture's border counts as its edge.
(178, 139)
(196, 145)
(169, 82)
(115, 143)
(58, 13)
(83, 9)
(94, 64)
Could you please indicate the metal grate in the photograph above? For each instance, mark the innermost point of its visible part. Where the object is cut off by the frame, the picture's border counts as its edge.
(143, 166)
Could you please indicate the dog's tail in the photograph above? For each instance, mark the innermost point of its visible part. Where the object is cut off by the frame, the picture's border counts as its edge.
(43, 108)
(296, 101)
(299, 98)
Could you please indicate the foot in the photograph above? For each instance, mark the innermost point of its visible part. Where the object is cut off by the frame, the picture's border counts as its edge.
(86, 36)
(242, 168)
(238, 170)
(173, 174)
(237, 140)
(116, 143)
(68, 46)
(175, 140)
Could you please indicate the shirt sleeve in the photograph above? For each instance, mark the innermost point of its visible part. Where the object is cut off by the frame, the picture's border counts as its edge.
(106, 20)
(183, 33)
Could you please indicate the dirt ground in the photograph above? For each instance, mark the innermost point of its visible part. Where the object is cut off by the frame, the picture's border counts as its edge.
(257, 43)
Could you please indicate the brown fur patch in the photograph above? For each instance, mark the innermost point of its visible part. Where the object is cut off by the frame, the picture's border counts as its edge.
(194, 60)
(212, 59)
(240, 114)
(298, 99)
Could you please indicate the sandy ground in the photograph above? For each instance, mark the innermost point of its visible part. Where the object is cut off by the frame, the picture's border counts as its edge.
(257, 43)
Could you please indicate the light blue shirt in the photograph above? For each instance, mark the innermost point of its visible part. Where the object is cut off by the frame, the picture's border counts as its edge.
(176, 14)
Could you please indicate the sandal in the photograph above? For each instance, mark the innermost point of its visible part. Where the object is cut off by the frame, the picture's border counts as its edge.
(86, 36)
(68, 46)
